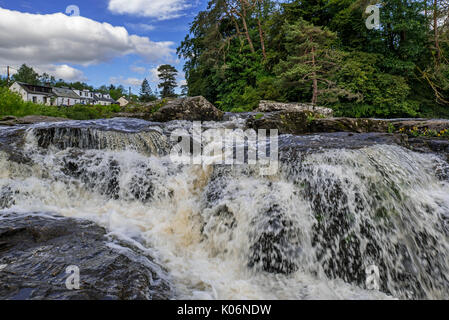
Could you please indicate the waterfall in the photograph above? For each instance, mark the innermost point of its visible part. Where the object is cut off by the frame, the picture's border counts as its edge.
(226, 232)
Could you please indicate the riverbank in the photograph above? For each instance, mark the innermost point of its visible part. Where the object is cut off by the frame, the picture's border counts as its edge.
(287, 118)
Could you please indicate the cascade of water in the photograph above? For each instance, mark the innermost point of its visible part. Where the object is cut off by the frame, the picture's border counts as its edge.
(309, 232)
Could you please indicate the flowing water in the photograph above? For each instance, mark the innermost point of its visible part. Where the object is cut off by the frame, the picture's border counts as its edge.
(338, 205)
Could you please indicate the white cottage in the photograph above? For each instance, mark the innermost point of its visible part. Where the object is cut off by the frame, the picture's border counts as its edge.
(87, 97)
(66, 97)
(34, 93)
(103, 99)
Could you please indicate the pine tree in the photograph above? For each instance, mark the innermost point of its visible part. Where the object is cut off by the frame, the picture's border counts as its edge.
(167, 76)
(311, 58)
(146, 93)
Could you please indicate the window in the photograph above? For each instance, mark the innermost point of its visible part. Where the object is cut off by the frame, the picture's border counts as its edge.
(34, 100)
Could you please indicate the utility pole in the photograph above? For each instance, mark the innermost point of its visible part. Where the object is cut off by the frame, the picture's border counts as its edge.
(129, 95)
(7, 76)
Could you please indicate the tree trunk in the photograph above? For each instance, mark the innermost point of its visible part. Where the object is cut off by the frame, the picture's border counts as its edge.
(245, 26)
(315, 80)
(262, 40)
(435, 29)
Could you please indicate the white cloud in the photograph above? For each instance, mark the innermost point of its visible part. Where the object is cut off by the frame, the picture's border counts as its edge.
(62, 72)
(133, 82)
(157, 9)
(55, 39)
(137, 69)
(140, 26)
(154, 74)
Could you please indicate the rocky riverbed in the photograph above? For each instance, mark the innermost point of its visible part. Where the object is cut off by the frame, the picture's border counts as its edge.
(37, 248)
(104, 196)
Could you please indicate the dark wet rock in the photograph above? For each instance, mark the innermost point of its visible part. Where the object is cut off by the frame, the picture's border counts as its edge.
(275, 246)
(35, 251)
(428, 145)
(347, 125)
(64, 137)
(273, 106)
(190, 109)
(285, 122)
(420, 124)
(12, 121)
(11, 142)
(305, 122)
(7, 197)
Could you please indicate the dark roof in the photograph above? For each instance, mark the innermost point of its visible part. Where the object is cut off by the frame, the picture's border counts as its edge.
(99, 97)
(66, 93)
(106, 99)
(36, 89)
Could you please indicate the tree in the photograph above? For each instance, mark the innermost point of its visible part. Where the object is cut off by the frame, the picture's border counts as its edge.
(3, 81)
(116, 92)
(311, 58)
(27, 75)
(239, 52)
(184, 90)
(46, 79)
(167, 77)
(146, 93)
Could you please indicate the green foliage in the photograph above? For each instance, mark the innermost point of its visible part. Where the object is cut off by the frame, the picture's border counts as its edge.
(26, 74)
(11, 104)
(389, 72)
(83, 112)
(373, 93)
(3, 82)
(312, 60)
(115, 92)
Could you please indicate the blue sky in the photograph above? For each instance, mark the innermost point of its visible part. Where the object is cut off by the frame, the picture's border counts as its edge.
(112, 41)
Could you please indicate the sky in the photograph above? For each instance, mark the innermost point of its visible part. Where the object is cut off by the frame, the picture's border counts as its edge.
(99, 42)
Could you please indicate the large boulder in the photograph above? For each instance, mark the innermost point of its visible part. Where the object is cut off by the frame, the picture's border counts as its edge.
(36, 249)
(304, 122)
(190, 109)
(272, 106)
(347, 125)
(284, 121)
